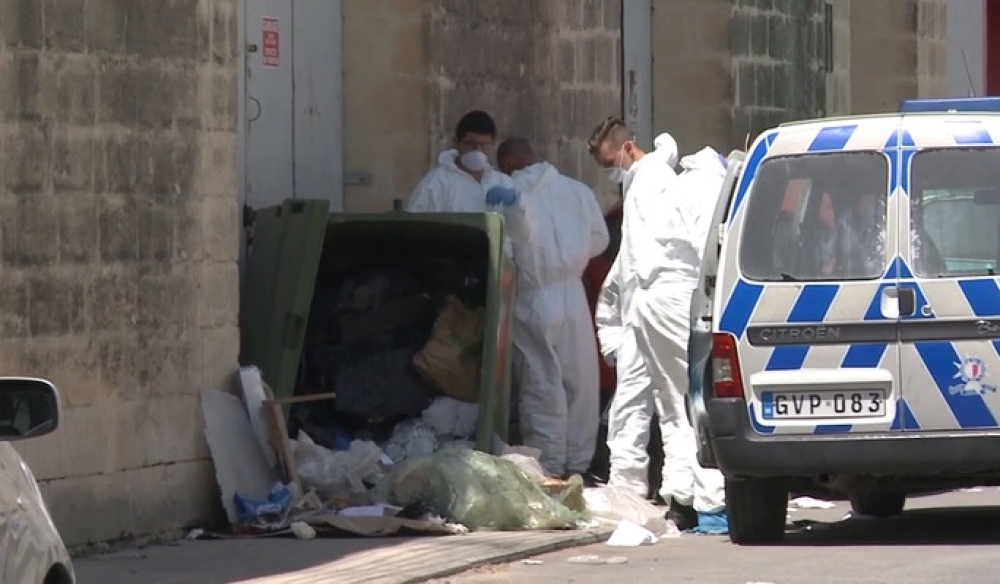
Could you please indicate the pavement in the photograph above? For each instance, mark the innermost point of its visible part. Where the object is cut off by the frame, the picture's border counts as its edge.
(944, 538)
(389, 560)
(938, 539)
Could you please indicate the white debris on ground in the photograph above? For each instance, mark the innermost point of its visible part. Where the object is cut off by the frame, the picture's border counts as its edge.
(809, 503)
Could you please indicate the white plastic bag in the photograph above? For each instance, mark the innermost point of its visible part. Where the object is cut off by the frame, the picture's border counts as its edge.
(618, 504)
(410, 439)
(449, 417)
(334, 474)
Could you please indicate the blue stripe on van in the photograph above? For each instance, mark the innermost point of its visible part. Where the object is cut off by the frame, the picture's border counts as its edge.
(942, 363)
(832, 429)
(813, 303)
(968, 133)
(757, 426)
(900, 149)
(864, 356)
(905, 420)
(740, 307)
(749, 171)
(983, 295)
(832, 139)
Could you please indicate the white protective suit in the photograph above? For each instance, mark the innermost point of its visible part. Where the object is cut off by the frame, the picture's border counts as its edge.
(674, 230)
(553, 332)
(449, 189)
(630, 414)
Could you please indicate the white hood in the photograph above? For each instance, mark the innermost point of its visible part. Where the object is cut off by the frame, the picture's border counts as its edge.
(535, 176)
(665, 148)
(706, 159)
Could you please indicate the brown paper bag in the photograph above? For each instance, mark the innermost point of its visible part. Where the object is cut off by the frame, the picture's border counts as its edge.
(451, 359)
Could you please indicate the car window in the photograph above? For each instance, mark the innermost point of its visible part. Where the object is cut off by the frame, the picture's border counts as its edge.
(955, 212)
(816, 217)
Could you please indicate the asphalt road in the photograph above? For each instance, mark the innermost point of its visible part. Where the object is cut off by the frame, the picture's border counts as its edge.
(951, 537)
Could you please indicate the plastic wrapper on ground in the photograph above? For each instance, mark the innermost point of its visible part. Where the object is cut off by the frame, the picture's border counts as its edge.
(616, 504)
(337, 475)
(477, 490)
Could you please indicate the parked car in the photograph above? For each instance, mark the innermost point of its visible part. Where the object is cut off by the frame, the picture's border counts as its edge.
(31, 550)
(846, 330)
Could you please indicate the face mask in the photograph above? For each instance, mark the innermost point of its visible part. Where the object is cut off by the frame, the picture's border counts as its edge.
(616, 173)
(475, 161)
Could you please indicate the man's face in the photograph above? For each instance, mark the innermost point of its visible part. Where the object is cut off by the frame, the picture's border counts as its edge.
(473, 141)
(609, 155)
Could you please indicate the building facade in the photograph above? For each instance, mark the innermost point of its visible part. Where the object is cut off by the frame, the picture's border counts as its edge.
(131, 134)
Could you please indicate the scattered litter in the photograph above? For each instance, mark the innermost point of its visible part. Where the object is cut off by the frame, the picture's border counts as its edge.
(598, 560)
(269, 513)
(371, 511)
(972, 490)
(628, 534)
(617, 504)
(809, 503)
(302, 530)
(532, 562)
(855, 516)
(337, 474)
(195, 534)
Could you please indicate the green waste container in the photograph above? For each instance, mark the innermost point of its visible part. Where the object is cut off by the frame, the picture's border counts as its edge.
(299, 245)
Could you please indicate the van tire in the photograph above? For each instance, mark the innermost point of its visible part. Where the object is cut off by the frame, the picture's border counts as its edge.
(876, 504)
(757, 510)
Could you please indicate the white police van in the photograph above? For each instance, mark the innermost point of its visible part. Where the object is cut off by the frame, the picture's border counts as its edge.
(846, 333)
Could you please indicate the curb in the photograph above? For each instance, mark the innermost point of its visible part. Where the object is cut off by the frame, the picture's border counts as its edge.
(580, 540)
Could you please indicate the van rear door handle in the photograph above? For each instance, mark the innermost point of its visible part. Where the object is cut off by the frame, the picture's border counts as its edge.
(907, 302)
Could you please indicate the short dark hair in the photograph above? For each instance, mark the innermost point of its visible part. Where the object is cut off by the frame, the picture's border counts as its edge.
(476, 122)
(516, 146)
(612, 128)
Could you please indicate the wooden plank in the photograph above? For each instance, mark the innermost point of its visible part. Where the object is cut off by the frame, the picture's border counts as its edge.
(305, 398)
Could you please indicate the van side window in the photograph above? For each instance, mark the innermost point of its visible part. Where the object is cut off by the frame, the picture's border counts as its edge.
(816, 217)
(955, 212)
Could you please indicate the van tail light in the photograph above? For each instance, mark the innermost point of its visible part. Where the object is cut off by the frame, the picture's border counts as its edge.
(726, 377)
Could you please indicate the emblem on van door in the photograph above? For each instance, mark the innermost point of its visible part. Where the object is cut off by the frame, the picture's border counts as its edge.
(972, 371)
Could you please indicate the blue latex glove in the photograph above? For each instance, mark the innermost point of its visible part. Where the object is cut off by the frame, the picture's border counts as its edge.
(501, 196)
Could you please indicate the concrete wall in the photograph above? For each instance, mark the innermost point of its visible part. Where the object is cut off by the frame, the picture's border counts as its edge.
(966, 46)
(692, 82)
(547, 70)
(118, 250)
(932, 48)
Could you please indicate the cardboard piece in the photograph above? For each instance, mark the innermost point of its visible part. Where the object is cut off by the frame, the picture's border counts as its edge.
(240, 465)
(252, 386)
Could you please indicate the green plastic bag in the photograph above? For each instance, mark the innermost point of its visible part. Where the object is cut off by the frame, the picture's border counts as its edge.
(477, 490)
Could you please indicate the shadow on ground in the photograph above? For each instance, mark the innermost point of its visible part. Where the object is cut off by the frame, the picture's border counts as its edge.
(928, 527)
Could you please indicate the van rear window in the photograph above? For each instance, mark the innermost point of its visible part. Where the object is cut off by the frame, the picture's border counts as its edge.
(815, 217)
(955, 212)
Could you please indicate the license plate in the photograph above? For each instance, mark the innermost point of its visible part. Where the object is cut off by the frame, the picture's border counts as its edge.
(805, 405)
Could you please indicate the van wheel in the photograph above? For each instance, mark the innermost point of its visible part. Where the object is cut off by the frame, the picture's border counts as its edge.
(875, 504)
(757, 509)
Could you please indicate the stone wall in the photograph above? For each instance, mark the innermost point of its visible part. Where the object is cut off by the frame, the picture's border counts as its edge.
(546, 70)
(779, 63)
(118, 272)
(932, 48)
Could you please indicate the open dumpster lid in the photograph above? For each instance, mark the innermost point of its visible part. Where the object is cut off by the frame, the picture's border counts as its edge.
(278, 289)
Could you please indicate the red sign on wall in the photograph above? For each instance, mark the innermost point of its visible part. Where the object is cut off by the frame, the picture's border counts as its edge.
(271, 43)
